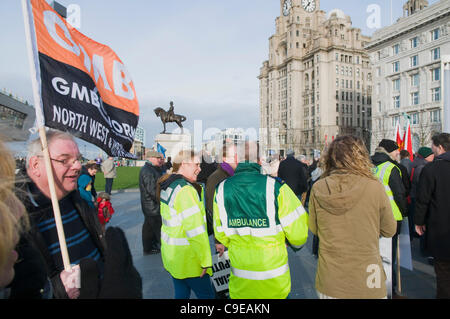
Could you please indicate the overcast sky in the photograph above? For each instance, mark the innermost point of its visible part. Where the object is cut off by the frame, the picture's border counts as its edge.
(205, 55)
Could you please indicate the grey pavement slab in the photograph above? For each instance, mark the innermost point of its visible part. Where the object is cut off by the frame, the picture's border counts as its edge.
(157, 283)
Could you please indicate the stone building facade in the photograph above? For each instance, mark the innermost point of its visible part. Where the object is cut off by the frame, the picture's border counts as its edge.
(407, 60)
(317, 82)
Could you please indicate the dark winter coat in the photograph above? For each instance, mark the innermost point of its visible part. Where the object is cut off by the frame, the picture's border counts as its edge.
(207, 167)
(433, 206)
(148, 177)
(395, 180)
(213, 180)
(292, 172)
(416, 169)
(88, 217)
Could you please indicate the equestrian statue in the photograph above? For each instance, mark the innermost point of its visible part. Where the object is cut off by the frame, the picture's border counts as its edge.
(169, 116)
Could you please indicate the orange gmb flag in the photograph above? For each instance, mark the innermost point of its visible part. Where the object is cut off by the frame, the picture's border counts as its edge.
(84, 86)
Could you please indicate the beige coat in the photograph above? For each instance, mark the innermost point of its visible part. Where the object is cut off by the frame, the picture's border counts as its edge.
(349, 213)
(109, 169)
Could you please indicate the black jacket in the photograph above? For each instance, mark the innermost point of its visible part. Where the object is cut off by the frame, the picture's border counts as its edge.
(148, 176)
(433, 206)
(395, 181)
(88, 217)
(292, 171)
(416, 169)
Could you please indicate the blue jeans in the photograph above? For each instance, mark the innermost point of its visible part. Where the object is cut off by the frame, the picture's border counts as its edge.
(202, 287)
(108, 185)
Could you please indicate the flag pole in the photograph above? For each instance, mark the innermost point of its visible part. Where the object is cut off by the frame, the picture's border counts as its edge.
(35, 80)
(399, 280)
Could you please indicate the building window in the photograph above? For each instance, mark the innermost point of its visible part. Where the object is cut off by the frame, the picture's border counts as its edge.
(415, 79)
(396, 49)
(397, 101)
(435, 116)
(435, 34)
(436, 74)
(395, 120)
(414, 42)
(396, 66)
(415, 118)
(436, 94)
(415, 98)
(414, 60)
(435, 54)
(396, 85)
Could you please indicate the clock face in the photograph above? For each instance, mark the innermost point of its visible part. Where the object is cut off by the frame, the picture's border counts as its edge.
(287, 7)
(309, 5)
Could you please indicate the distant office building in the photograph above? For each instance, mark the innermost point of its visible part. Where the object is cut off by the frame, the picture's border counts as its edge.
(16, 117)
(408, 72)
(213, 147)
(317, 82)
(138, 147)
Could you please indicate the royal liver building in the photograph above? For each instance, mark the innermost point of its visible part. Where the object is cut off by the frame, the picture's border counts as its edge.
(317, 81)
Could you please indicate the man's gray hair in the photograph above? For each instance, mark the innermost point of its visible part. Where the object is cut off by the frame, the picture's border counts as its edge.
(35, 146)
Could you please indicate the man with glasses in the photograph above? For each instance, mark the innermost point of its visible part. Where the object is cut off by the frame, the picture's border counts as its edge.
(85, 244)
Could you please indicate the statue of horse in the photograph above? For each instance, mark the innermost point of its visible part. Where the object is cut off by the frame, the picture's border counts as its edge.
(167, 117)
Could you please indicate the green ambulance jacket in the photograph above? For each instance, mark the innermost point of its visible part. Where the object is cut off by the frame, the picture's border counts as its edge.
(255, 216)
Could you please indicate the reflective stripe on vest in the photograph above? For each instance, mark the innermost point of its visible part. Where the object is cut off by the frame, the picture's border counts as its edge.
(383, 174)
(248, 231)
(174, 241)
(260, 275)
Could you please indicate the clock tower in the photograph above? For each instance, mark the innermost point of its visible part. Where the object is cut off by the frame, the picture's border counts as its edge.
(307, 6)
(316, 82)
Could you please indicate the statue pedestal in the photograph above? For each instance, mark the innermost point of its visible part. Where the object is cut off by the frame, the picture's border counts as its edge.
(174, 143)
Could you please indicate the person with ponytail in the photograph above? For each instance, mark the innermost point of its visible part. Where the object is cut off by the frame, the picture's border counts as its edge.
(185, 248)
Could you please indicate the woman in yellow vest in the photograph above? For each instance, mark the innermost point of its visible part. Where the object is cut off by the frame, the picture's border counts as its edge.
(349, 210)
(185, 248)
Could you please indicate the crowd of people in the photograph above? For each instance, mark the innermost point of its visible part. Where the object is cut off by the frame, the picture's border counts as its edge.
(255, 208)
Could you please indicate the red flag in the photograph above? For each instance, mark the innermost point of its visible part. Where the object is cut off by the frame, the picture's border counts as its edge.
(408, 141)
(398, 136)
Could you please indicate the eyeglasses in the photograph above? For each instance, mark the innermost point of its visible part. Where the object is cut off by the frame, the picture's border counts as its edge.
(67, 162)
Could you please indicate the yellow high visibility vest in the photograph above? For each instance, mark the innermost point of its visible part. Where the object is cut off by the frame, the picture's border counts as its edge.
(383, 173)
(185, 247)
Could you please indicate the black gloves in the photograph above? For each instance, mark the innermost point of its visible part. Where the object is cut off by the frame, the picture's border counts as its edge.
(120, 280)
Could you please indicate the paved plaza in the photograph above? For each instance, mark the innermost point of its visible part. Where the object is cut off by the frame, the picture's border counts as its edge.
(157, 283)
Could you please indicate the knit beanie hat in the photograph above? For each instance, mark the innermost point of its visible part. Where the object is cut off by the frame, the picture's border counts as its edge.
(425, 152)
(388, 145)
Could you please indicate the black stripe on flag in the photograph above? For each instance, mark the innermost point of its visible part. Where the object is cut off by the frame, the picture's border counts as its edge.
(72, 103)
